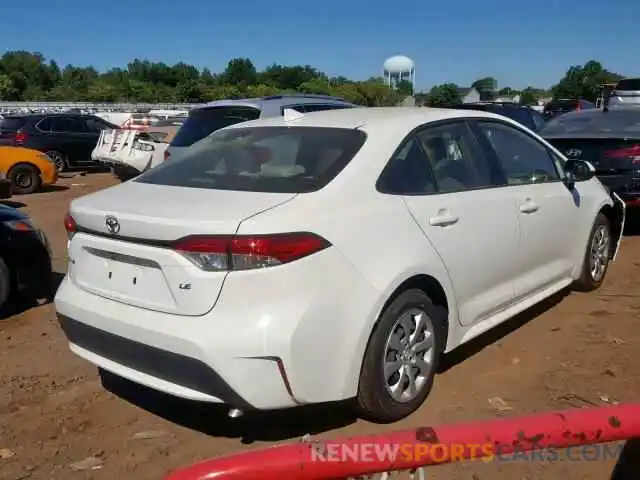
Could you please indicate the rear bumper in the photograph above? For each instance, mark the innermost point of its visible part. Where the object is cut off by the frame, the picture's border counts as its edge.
(276, 338)
(190, 373)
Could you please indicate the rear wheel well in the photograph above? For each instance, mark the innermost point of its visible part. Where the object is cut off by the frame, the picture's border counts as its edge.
(434, 291)
(612, 214)
(20, 164)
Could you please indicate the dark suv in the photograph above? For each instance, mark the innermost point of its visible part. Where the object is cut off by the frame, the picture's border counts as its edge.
(522, 114)
(213, 116)
(67, 138)
(560, 106)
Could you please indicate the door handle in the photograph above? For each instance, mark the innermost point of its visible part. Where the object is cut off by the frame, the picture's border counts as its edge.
(443, 220)
(529, 206)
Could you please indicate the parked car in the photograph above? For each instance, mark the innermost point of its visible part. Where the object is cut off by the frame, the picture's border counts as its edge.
(522, 114)
(67, 138)
(561, 106)
(129, 152)
(27, 170)
(626, 93)
(25, 260)
(324, 256)
(221, 113)
(608, 140)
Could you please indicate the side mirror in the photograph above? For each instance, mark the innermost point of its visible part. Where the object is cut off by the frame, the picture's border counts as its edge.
(577, 171)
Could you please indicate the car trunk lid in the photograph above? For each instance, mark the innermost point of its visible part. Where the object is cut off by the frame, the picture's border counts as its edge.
(122, 248)
(607, 155)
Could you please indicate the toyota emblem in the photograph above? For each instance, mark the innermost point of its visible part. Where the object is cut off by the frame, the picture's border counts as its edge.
(112, 224)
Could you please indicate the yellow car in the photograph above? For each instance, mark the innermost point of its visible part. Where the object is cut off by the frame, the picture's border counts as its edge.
(27, 170)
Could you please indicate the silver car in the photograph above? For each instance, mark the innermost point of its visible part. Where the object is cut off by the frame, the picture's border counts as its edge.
(222, 113)
(626, 93)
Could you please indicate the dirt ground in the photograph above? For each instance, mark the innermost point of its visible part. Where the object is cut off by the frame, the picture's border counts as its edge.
(55, 410)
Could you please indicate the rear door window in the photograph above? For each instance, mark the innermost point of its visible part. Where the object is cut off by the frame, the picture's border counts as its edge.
(204, 121)
(12, 123)
(262, 159)
(61, 125)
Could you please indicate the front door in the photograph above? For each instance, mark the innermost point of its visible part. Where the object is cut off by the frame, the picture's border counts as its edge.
(548, 211)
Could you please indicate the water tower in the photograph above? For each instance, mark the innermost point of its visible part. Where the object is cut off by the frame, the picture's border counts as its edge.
(398, 68)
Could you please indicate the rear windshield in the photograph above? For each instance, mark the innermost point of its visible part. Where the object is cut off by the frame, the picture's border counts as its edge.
(632, 84)
(13, 123)
(262, 159)
(565, 105)
(597, 122)
(204, 121)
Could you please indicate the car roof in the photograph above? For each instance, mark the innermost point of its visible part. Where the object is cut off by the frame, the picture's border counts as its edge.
(406, 118)
(276, 99)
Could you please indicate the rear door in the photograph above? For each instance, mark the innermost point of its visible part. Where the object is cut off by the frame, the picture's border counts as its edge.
(66, 135)
(456, 199)
(549, 213)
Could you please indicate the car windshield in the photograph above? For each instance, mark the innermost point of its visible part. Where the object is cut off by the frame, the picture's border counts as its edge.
(262, 159)
(204, 121)
(595, 122)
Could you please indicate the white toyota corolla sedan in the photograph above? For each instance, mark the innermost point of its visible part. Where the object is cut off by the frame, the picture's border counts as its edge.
(328, 256)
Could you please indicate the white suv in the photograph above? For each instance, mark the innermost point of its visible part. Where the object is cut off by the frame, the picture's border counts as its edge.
(331, 255)
(626, 93)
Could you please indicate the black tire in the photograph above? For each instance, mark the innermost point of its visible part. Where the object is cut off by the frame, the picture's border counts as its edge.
(589, 280)
(58, 159)
(24, 178)
(5, 283)
(374, 401)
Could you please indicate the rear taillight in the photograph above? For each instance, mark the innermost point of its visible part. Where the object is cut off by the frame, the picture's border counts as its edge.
(632, 153)
(167, 154)
(70, 226)
(20, 137)
(245, 252)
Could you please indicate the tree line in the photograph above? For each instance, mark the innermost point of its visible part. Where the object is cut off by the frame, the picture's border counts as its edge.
(28, 76)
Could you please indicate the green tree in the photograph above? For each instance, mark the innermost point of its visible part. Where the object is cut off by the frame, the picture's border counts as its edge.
(486, 87)
(529, 96)
(240, 71)
(444, 95)
(6, 87)
(29, 76)
(404, 88)
(583, 82)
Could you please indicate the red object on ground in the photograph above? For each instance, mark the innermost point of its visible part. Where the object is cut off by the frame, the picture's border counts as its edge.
(431, 446)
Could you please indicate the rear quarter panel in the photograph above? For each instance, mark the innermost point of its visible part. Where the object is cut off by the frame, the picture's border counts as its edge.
(375, 235)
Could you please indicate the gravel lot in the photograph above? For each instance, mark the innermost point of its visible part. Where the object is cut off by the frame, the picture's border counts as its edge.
(55, 410)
